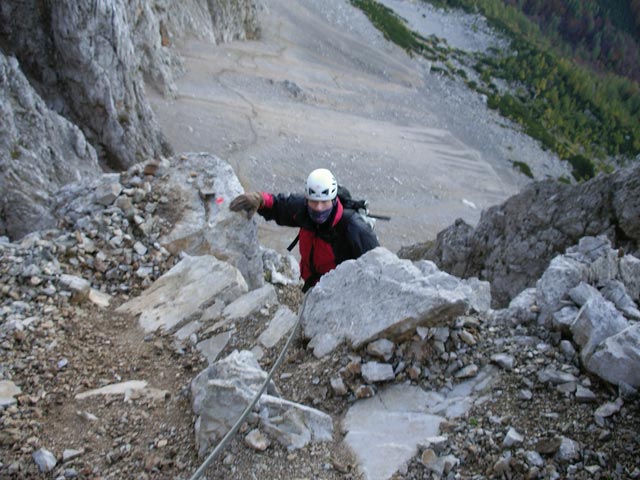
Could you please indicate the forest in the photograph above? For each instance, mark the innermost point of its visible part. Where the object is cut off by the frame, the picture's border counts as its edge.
(580, 102)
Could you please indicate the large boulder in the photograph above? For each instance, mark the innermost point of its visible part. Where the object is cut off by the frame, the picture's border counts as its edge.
(379, 295)
(513, 243)
(222, 391)
(617, 359)
(201, 187)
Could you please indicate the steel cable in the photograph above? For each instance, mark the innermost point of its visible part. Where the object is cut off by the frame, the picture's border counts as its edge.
(232, 431)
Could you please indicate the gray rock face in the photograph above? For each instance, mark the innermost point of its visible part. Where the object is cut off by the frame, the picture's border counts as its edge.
(513, 243)
(85, 61)
(83, 58)
(379, 295)
(160, 24)
(39, 152)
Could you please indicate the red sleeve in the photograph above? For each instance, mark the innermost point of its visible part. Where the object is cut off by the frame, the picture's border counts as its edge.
(267, 200)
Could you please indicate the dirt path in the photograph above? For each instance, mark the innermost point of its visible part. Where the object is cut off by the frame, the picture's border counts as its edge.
(323, 88)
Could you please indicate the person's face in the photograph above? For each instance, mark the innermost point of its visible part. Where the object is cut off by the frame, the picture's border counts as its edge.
(319, 206)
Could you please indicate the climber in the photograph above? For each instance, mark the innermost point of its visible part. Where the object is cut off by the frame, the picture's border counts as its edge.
(329, 233)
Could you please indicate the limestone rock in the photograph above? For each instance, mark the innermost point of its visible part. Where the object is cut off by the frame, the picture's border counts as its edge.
(203, 186)
(598, 320)
(41, 151)
(617, 358)
(45, 460)
(373, 372)
(184, 290)
(513, 243)
(222, 391)
(250, 303)
(8, 392)
(380, 295)
(281, 323)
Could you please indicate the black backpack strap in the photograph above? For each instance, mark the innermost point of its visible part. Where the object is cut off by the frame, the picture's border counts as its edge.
(294, 243)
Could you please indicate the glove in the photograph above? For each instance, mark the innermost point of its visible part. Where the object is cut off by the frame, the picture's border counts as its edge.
(249, 202)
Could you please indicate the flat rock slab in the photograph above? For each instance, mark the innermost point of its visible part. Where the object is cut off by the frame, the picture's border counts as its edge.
(211, 347)
(184, 290)
(251, 302)
(384, 431)
(283, 321)
(123, 388)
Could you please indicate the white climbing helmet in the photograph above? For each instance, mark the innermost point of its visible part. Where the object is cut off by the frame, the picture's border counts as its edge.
(321, 185)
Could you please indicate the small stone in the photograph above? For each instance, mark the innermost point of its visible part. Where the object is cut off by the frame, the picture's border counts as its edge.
(503, 360)
(566, 347)
(555, 377)
(256, 440)
(502, 466)
(467, 338)
(512, 438)
(548, 446)
(525, 394)
(568, 387)
(90, 417)
(338, 386)
(584, 395)
(608, 409)
(381, 348)
(364, 391)
(70, 473)
(569, 450)
(8, 392)
(45, 460)
(373, 372)
(467, 372)
(534, 459)
(414, 372)
(70, 454)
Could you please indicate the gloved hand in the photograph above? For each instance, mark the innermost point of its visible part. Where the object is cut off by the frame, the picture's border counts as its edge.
(250, 202)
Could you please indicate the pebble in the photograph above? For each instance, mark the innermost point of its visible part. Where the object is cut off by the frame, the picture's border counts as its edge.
(45, 460)
(257, 440)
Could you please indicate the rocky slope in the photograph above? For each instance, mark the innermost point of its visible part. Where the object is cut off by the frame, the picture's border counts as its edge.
(514, 242)
(509, 395)
(91, 388)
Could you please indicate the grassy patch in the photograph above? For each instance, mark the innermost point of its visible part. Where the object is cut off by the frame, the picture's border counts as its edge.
(523, 167)
(391, 26)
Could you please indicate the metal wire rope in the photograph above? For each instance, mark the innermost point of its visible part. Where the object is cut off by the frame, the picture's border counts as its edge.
(232, 431)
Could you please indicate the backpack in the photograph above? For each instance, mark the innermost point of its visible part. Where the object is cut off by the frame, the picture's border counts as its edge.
(358, 207)
(361, 207)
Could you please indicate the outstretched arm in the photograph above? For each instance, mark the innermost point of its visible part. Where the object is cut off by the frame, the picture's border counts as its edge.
(281, 208)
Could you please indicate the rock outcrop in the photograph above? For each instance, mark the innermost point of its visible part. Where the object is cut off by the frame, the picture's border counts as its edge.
(39, 151)
(590, 294)
(513, 243)
(379, 295)
(85, 61)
